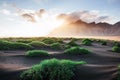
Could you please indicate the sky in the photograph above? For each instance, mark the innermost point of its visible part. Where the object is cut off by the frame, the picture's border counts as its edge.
(33, 18)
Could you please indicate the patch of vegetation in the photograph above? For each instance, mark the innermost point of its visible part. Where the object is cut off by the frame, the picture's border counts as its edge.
(37, 44)
(87, 42)
(57, 46)
(72, 43)
(52, 40)
(21, 46)
(118, 75)
(48, 41)
(24, 41)
(116, 49)
(32, 53)
(7, 45)
(103, 42)
(67, 46)
(74, 39)
(76, 50)
(116, 44)
(52, 69)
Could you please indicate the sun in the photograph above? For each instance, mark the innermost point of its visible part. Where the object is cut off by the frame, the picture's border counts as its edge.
(51, 21)
(48, 22)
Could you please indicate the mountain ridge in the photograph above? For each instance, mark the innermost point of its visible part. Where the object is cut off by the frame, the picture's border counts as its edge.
(81, 28)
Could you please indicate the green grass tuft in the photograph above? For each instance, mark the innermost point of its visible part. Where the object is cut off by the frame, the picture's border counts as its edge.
(118, 74)
(87, 42)
(116, 44)
(52, 69)
(103, 42)
(72, 43)
(76, 50)
(116, 49)
(7, 45)
(57, 46)
(37, 44)
(52, 40)
(24, 41)
(32, 53)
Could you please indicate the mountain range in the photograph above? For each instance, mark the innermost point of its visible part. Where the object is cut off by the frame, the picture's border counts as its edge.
(81, 28)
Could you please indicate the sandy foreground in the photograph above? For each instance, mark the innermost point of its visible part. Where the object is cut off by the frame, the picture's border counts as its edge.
(102, 63)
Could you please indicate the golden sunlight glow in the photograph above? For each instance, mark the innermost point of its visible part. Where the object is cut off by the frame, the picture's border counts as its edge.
(48, 22)
(33, 25)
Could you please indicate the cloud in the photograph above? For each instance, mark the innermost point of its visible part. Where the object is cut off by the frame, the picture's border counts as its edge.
(103, 19)
(68, 17)
(31, 15)
(5, 12)
(87, 16)
(40, 12)
(28, 17)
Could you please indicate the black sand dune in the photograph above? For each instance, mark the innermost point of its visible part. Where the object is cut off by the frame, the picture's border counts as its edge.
(102, 63)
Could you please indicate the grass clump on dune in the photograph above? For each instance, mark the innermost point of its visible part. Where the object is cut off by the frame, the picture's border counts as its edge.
(116, 49)
(32, 53)
(37, 44)
(7, 45)
(24, 41)
(76, 50)
(52, 69)
(72, 43)
(51, 40)
(48, 41)
(116, 44)
(21, 46)
(118, 76)
(87, 42)
(57, 46)
(103, 42)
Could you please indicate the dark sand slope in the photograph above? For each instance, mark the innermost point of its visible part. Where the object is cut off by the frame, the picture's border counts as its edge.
(102, 63)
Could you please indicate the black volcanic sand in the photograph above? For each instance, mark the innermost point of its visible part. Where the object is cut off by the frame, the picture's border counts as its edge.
(102, 63)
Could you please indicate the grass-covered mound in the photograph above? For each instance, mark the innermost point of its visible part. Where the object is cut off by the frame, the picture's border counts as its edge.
(103, 42)
(76, 50)
(52, 40)
(52, 69)
(24, 41)
(32, 53)
(87, 42)
(7, 45)
(37, 44)
(118, 75)
(72, 43)
(117, 43)
(67, 46)
(57, 46)
(21, 46)
(116, 49)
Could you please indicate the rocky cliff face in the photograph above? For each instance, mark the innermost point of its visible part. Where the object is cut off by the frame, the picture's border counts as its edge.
(80, 28)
